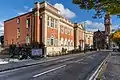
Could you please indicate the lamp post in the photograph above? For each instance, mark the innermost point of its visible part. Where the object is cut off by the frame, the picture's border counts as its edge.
(84, 36)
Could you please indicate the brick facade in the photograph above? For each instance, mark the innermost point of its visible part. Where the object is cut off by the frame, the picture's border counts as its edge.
(17, 26)
(47, 26)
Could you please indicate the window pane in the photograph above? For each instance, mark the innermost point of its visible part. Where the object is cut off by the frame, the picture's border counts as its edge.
(28, 23)
(18, 32)
(51, 41)
(18, 20)
(52, 22)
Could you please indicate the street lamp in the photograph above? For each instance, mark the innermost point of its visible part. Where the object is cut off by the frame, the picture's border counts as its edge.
(84, 36)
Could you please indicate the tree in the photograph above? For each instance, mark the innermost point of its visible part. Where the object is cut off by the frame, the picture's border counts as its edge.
(116, 37)
(100, 6)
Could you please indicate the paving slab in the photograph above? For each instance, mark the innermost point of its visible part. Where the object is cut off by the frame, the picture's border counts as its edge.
(112, 71)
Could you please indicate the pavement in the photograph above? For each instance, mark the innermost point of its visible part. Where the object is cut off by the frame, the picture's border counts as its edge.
(74, 67)
(112, 71)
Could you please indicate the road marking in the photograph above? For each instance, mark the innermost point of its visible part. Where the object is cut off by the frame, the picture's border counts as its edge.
(95, 74)
(79, 60)
(37, 63)
(83, 62)
(49, 71)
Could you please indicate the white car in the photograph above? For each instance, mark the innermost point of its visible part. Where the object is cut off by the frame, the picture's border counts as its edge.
(115, 48)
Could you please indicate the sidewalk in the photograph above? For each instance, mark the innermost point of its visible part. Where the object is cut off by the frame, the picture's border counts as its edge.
(30, 62)
(112, 71)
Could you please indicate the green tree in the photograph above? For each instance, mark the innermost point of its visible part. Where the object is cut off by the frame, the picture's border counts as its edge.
(100, 6)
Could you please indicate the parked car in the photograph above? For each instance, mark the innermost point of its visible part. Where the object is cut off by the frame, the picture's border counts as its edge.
(115, 47)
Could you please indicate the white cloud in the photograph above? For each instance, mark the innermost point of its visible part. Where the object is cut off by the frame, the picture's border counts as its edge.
(115, 26)
(65, 11)
(94, 26)
(20, 13)
(27, 9)
(1, 23)
(30, 9)
(1, 28)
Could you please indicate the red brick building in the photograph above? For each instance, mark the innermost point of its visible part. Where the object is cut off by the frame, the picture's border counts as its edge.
(43, 24)
(16, 31)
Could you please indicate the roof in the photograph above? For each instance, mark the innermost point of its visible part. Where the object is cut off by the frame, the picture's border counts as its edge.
(18, 16)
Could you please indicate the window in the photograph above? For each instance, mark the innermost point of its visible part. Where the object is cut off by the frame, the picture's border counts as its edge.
(66, 30)
(55, 42)
(48, 42)
(28, 23)
(55, 23)
(28, 39)
(51, 41)
(18, 20)
(52, 22)
(18, 32)
(48, 21)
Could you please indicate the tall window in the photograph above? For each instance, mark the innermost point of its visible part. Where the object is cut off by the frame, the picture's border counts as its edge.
(52, 22)
(27, 39)
(28, 23)
(48, 42)
(52, 39)
(48, 21)
(18, 32)
(18, 20)
(52, 42)
(66, 30)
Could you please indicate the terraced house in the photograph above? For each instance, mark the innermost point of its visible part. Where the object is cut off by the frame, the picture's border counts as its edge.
(43, 24)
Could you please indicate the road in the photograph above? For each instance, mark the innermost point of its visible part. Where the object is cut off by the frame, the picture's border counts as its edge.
(73, 68)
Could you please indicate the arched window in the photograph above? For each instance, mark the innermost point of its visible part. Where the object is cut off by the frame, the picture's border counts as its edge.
(52, 39)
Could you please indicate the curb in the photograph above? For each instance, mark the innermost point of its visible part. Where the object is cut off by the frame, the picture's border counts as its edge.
(99, 68)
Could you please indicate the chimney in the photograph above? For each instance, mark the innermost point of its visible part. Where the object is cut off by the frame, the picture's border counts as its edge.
(37, 5)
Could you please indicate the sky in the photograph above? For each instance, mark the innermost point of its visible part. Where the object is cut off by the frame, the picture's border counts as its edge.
(12, 8)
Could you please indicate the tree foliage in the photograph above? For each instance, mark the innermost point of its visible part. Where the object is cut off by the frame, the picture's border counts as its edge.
(116, 37)
(100, 6)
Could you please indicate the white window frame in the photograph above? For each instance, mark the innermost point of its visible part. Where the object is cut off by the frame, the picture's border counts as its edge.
(18, 20)
(52, 22)
(48, 21)
(27, 21)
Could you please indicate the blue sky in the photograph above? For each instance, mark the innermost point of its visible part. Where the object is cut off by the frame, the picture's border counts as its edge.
(12, 8)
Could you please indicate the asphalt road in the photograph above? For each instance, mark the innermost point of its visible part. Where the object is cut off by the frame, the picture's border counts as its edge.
(74, 68)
